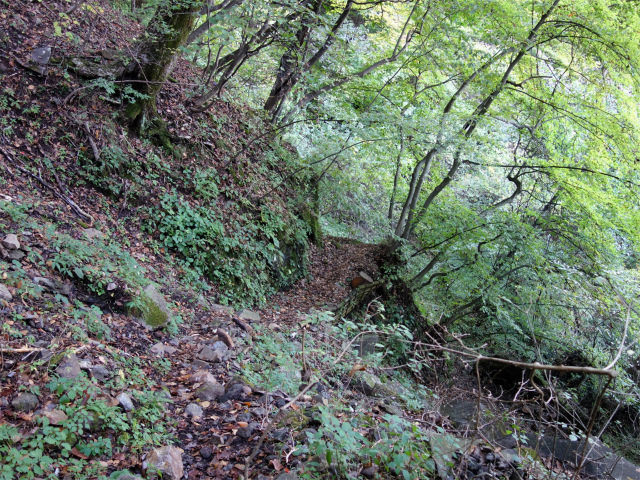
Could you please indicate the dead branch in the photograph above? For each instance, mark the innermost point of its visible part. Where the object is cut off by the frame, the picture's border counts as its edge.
(94, 147)
(243, 325)
(20, 350)
(225, 337)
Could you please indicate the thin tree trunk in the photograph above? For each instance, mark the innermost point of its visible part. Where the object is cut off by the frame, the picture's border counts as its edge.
(395, 178)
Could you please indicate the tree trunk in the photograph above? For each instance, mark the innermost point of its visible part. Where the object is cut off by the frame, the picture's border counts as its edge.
(157, 55)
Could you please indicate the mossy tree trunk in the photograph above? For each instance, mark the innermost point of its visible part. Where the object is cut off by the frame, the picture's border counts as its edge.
(157, 54)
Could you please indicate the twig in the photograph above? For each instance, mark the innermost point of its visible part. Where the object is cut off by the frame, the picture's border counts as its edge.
(81, 213)
(94, 147)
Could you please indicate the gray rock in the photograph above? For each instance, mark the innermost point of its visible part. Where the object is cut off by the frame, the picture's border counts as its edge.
(206, 452)
(246, 432)
(259, 412)
(56, 416)
(249, 315)
(463, 413)
(69, 367)
(221, 346)
(15, 255)
(392, 409)
(85, 364)
(11, 242)
(158, 349)
(53, 285)
(25, 402)
(127, 476)
(167, 461)
(367, 344)
(202, 376)
(287, 476)
(210, 355)
(100, 373)
(92, 233)
(169, 350)
(210, 392)
(155, 313)
(4, 293)
(41, 55)
(221, 308)
(125, 402)
(194, 410)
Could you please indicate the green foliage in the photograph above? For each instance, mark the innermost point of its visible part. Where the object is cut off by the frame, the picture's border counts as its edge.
(339, 447)
(242, 256)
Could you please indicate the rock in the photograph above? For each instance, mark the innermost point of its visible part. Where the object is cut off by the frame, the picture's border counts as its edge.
(249, 315)
(53, 285)
(25, 402)
(463, 414)
(89, 69)
(169, 350)
(246, 432)
(85, 364)
(69, 367)
(217, 439)
(275, 327)
(92, 233)
(210, 392)
(125, 476)
(287, 476)
(206, 453)
(392, 409)
(202, 376)
(194, 410)
(210, 355)
(221, 346)
(158, 349)
(369, 472)
(15, 255)
(41, 55)
(245, 417)
(125, 402)
(221, 308)
(167, 461)
(367, 344)
(4, 293)
(11, 242)
(259, 412)
(235, 392)
(100, 373)
(56, 417)
(155, 313)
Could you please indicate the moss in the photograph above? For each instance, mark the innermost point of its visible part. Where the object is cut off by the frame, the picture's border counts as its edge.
(313, 222)
(296, 420)
(153, 314)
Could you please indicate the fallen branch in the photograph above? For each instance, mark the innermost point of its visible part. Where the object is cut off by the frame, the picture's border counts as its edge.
(94, 147)
(225, 337)
(243, 325)
(78, 211)
(20, 350)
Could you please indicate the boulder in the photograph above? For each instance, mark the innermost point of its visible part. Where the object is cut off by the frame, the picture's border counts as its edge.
(210, 392)
(5, 294)
(69, 367)
(202, 376)
(166, 461)
(249, 315)
(155, 313)
(25, 402)
(11, 242)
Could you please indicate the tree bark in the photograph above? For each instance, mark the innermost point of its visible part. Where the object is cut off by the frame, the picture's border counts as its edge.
(157, 55)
